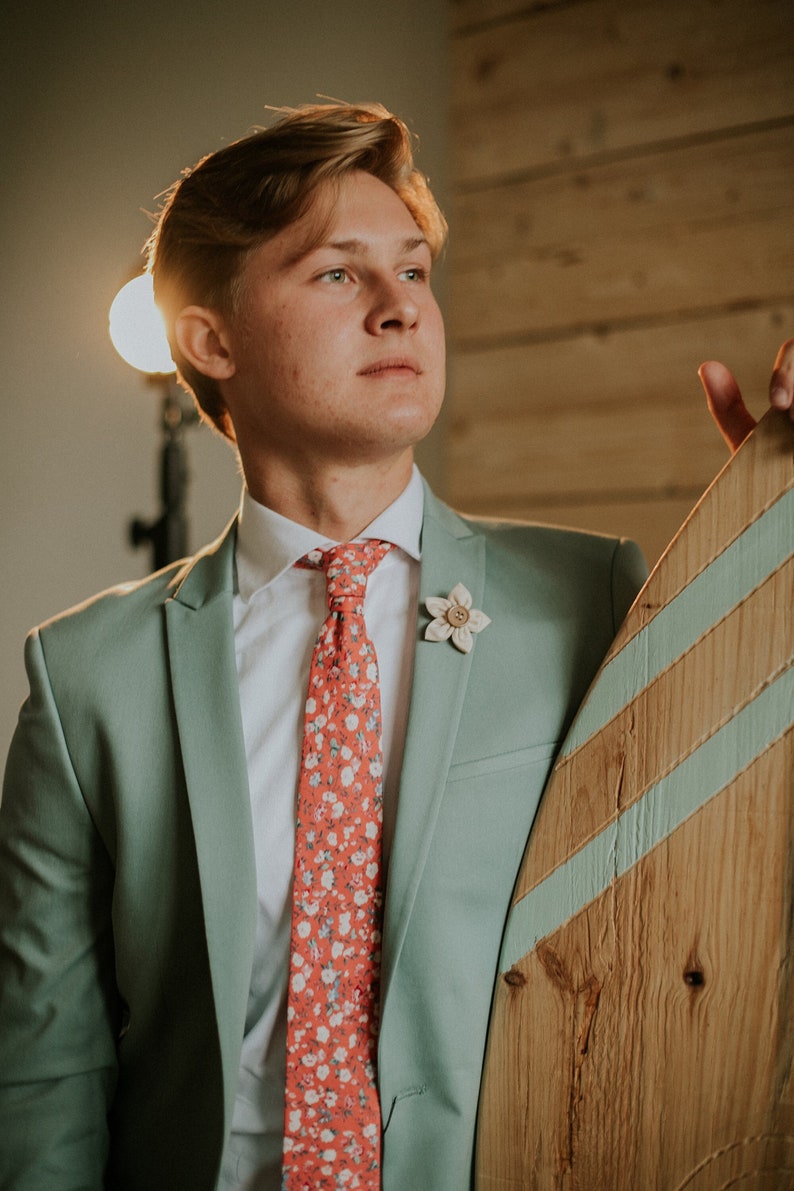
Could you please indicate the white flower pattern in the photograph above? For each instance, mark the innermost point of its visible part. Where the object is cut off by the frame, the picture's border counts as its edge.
(332, 1120)
(455, 618)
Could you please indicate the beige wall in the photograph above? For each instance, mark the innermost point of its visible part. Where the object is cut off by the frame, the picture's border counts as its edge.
(622, 177)
(103, 105)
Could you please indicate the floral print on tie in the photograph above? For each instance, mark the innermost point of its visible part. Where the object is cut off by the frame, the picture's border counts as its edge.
(332, 1129)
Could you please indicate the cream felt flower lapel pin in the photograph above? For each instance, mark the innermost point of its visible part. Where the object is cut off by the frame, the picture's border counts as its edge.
(455, 618)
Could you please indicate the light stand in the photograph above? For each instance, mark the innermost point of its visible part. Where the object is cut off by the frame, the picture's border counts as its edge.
(168, 535)
(138, 335)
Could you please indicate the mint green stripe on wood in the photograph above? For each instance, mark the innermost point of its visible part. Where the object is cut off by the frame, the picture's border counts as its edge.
(730, 578)
(663, 808)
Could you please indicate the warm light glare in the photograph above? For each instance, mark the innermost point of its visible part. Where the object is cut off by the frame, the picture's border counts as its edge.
(136, 327)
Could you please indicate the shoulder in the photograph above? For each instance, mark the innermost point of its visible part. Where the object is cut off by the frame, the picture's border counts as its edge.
(572, 572)
(129, 611)
(532, 544)
(563, 544)
(507, 534)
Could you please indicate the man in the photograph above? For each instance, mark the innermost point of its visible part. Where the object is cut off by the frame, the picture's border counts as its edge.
(148, 824)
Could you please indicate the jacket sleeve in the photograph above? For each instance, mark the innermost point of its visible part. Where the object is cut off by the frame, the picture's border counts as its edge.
(58, 1003)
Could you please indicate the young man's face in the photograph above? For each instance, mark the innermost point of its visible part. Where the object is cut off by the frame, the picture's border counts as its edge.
(338, 352)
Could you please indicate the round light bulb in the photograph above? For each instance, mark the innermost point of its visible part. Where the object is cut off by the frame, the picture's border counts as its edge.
(137, 330)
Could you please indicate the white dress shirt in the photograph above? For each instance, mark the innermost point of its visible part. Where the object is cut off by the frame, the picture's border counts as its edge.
(278, 611)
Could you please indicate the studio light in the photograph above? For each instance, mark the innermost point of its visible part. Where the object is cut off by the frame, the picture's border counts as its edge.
(137, 330)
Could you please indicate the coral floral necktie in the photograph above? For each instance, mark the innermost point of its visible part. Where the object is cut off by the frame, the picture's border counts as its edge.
(332, 1114)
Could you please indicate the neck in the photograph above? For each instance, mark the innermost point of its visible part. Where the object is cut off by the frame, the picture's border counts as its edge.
(336, 500)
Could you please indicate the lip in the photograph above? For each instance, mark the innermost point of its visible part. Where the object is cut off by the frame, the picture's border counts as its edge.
(392, 366)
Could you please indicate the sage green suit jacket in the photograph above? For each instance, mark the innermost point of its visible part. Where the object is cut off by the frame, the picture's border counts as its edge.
(127, 883)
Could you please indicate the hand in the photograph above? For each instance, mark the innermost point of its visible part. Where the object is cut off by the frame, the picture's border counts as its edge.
(725, 401)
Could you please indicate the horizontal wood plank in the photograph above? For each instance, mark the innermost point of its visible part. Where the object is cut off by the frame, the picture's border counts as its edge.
(595, 452)
(607, 76)
(465, 13)
(584, 296)
(654, 236)
(503, 399)
(633, 279)
(655, 365)
(738, 177)
(606, 432)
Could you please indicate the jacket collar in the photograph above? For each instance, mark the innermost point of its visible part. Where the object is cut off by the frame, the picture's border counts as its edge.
(209, 573)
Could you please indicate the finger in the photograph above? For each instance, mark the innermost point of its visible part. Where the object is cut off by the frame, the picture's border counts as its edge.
(781, 386)
(726, 403)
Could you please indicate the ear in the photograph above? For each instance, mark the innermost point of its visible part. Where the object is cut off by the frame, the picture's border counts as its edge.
(203, 340)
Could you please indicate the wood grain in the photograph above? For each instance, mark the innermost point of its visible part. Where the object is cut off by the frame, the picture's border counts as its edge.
(753, 480)
(605, 76)
(650, 238)
(733, 180)
(539, 391)
(617, 367)
(622, 181)
(628, 450)
(465, 13)
(650, 1037)
(678, 711)
(648, 1041)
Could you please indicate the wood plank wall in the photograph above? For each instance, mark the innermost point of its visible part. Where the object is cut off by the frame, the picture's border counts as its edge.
(621, 210)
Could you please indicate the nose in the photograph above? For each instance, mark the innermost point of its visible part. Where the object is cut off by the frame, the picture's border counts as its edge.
(393, 307)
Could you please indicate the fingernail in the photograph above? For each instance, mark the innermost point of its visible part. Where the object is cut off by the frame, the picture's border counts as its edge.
(779, 398)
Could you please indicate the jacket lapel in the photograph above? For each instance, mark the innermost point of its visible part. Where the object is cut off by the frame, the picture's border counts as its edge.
(451, 553)
(203, 672)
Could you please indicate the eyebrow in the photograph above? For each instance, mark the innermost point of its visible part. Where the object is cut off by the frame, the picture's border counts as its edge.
(410, 244)
(352, 246)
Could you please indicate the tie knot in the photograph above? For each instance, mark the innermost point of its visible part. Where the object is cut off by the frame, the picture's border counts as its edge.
(348, 566)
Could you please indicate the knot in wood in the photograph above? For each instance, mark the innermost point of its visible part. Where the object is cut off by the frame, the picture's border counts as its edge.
(515, 978)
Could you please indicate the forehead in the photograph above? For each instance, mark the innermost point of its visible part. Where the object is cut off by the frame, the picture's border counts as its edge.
(359, 197)
(356, 211)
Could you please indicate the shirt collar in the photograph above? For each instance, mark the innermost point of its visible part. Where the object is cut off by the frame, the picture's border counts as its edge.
(269, 544)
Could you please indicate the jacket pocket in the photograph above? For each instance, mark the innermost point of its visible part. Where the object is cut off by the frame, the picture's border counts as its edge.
(503, 762)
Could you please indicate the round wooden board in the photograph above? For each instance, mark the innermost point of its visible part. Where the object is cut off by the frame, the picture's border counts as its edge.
(642, 1035)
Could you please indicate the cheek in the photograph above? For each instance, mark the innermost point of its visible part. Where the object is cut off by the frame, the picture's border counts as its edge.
(309, 343)
(283, 354)
(434, 330)
(439, 354)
